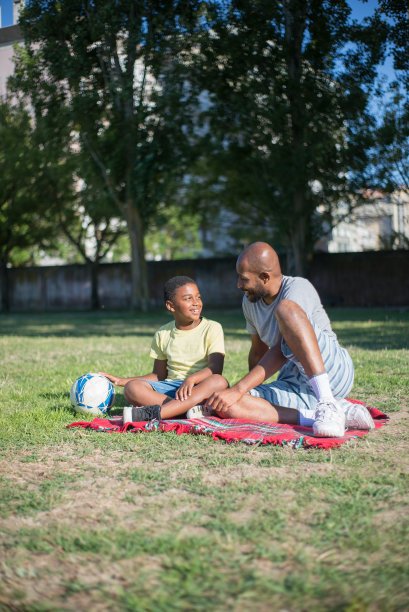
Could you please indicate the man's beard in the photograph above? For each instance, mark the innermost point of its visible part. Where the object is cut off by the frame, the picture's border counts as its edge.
(255, 295)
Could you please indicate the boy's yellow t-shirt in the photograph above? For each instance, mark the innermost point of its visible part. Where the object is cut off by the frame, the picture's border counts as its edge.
(187, 351)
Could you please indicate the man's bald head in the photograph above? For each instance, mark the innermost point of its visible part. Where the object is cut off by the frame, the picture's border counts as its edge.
(260, 257)
(259, 272)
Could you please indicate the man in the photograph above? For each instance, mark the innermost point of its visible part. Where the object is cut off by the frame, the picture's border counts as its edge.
(290, 333)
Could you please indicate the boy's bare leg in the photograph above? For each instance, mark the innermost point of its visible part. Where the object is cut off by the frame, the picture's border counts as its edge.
(200, 392)
(140, 393)
(259, 409)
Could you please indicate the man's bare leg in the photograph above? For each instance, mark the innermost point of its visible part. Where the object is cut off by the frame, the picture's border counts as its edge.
(299, 334)
(259, 409)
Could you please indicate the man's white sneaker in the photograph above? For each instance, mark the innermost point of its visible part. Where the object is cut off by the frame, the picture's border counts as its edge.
(197, 412)
(357, 416)
(329, 420)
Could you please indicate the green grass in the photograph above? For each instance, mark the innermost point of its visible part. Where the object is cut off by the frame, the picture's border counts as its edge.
(160, 522)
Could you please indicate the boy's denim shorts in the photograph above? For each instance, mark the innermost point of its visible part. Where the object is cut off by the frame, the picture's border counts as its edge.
(167, 387)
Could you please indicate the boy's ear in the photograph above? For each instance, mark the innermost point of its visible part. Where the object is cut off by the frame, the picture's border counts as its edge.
(169, 305)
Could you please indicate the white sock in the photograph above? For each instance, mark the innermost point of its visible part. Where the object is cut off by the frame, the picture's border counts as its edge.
(321, 387)
(127, 414)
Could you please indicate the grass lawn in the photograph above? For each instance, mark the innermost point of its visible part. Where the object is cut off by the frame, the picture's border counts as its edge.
(160, 522)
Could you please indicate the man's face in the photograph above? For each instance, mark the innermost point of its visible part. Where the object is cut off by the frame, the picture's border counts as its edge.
(250, 283)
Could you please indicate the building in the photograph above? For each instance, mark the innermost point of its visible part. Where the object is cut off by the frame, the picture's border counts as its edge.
(9, 35)
(381, 223)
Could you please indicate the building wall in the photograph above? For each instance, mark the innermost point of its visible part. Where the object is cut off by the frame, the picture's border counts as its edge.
(342, 279)
(8, 36)
(381, 222)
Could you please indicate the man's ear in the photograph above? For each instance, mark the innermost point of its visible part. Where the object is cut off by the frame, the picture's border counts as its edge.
(264, 277)
(169, 305)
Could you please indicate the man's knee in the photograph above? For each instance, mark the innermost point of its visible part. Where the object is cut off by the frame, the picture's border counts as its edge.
(287, 310)
(226, 413)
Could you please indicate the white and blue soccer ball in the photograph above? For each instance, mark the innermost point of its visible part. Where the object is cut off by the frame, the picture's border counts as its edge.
(92, 395)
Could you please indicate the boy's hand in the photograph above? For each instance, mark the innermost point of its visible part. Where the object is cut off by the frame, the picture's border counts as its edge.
(185, 389)
(222, 401)
(115, 380)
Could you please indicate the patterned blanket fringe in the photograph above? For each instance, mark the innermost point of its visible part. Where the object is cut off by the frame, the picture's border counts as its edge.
(233, 430)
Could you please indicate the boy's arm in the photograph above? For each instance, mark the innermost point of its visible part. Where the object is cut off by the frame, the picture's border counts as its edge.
(159, 372)
(215, 363)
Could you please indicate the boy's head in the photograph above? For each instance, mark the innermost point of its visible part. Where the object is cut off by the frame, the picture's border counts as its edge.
(182, 299)
(173, 284)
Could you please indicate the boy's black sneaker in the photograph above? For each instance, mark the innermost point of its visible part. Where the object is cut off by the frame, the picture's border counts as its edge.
(135, 414)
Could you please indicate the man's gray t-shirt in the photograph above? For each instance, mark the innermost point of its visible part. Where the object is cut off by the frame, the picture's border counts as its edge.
(260, 316)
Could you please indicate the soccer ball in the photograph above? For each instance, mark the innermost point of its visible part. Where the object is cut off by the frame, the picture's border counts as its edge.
(92, 395)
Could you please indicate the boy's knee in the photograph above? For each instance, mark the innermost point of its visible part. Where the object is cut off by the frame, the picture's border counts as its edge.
(129, 389)
(220, 382)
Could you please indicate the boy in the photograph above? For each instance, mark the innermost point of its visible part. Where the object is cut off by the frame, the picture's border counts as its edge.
(189, 357)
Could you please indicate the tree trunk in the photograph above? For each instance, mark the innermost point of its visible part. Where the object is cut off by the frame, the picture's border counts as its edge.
(139, 273)
(299, 236)
(4, 284)
(93, 267)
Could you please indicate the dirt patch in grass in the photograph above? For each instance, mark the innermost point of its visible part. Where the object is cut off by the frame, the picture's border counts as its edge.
(72, 582)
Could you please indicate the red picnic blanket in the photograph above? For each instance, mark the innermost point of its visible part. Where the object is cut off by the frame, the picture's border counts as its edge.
(234, 430)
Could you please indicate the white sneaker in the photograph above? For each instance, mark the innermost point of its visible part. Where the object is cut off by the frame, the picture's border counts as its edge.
(357, 416)
(329, 420)
(196, 412)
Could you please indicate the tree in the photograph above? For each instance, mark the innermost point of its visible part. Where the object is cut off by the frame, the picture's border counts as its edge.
(92, 227)
(110, 67)
(391, 150)
(392, 143)
(289, 84)
(25, 219)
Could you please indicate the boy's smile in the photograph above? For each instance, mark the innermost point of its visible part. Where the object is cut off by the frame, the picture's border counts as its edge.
(186, 306)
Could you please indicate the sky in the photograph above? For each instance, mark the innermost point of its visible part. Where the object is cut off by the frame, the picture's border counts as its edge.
(6, 12)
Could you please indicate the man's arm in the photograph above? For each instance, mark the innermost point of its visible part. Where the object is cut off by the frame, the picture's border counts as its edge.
(257, 350)
(159, 372)
(270, 363)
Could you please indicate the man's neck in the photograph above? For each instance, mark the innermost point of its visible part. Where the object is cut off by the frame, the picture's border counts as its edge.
(272, 295)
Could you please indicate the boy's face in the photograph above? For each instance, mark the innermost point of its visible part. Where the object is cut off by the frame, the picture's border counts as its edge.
(186, 303)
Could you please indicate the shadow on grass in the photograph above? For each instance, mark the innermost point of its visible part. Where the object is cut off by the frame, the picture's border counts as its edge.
(85, 324)
(367, 328)
(372, 329)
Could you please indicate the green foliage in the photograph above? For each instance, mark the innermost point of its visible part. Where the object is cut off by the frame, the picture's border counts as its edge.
(173, 234)
(106, 67)
(289, 84)
(21, 224)
(392, 142)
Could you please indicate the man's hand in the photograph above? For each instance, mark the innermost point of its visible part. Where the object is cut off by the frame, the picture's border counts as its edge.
(222, 401)
(185, 389)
